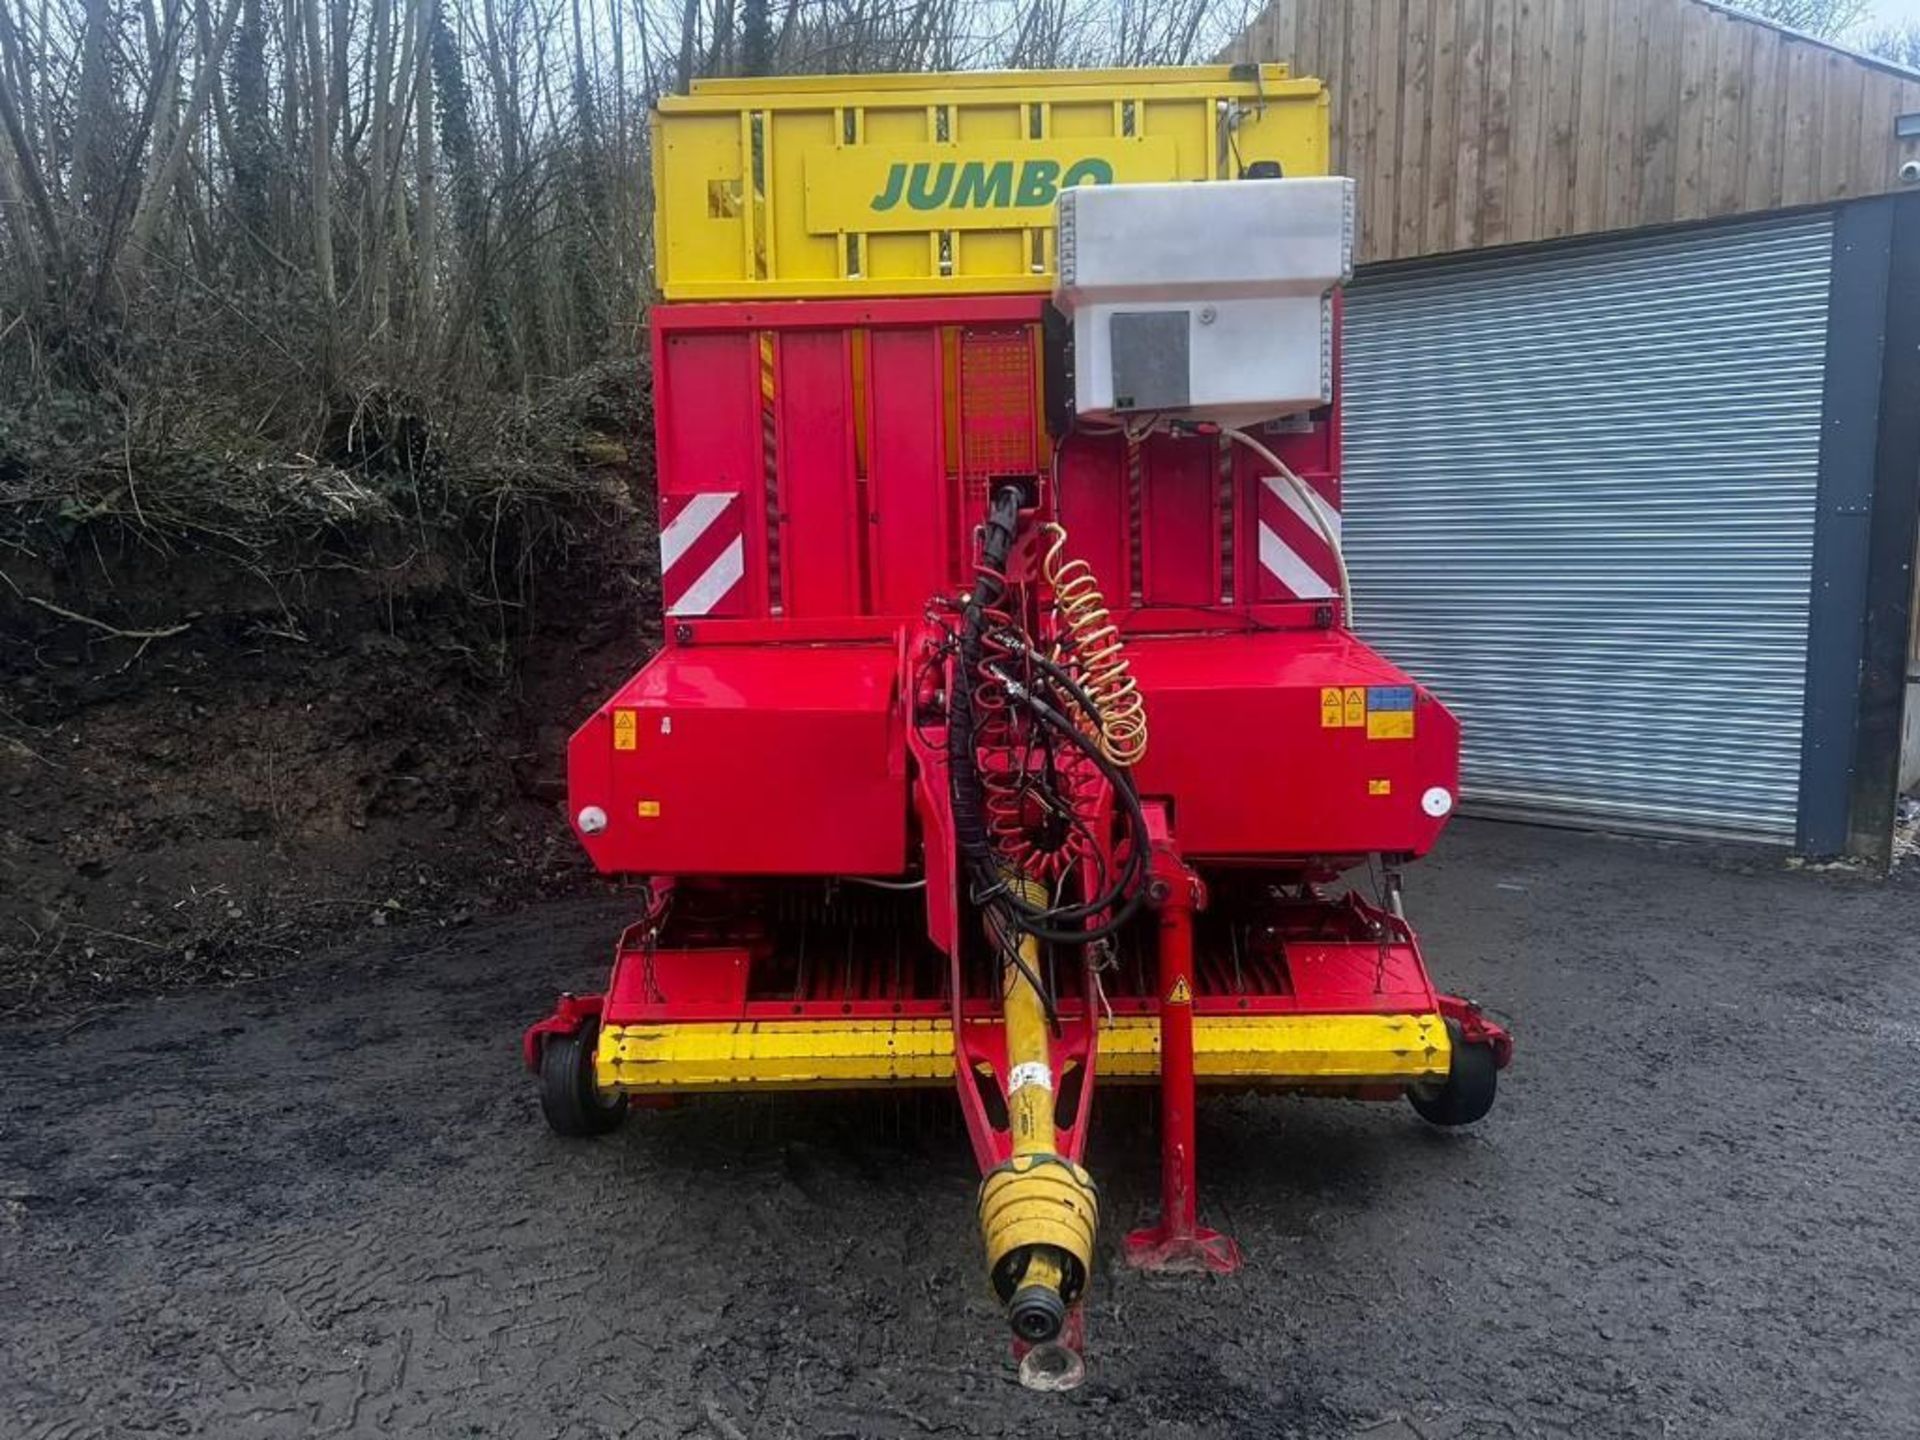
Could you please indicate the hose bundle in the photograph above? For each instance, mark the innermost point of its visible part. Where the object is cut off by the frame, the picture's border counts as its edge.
(1027, 742)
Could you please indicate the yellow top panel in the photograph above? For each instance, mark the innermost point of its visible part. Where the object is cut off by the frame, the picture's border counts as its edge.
(867, 185)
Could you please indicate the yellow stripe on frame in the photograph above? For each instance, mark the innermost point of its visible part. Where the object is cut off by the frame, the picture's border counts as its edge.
(851, 1054)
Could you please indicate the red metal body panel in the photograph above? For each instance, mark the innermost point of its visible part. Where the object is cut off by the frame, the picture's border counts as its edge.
(822, 466)
(748, 760)
(707, 432)
(679, 984)
(859, 483)
(820, 520)
(841, 450)
(771, 759)
(1180, 533)
(1094, 505)
(912, 526)
(1242, 748)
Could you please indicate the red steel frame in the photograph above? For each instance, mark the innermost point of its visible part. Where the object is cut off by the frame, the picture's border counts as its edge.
(710, 978)
(839, 433)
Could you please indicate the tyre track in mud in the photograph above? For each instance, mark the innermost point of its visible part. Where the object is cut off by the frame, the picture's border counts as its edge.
(327, 1205)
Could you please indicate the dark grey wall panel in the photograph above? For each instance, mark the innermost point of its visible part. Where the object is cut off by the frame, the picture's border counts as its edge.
(1856, 333)
(1893, 530)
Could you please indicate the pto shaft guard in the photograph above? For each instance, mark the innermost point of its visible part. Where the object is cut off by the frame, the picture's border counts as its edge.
(1044, 1208)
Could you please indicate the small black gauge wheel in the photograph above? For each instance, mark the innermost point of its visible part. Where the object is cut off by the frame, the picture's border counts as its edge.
(572, 1103)
(1467, 1093)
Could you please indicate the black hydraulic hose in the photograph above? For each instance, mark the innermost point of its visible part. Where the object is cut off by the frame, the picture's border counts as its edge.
(1125, 891)
(963, 769)
(1118, 776)
(1005, 911)
(1009, 948)
(1057, 673)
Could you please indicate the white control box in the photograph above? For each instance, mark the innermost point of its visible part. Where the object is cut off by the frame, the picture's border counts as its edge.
(1206, 301)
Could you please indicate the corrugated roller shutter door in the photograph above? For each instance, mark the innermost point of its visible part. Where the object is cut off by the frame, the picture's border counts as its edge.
(1580, 494)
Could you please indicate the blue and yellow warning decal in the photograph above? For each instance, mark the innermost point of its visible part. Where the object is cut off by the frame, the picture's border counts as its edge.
(1390, 712)
(1385, 712)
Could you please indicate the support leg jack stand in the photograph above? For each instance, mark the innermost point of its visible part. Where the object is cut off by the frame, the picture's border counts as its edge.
(1179, 1242)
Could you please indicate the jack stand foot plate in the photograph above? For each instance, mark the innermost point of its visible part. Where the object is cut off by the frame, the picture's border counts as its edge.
(1199, 1250)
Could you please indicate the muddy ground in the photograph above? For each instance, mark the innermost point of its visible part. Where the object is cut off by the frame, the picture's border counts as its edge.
(325, 1203)
(224, 803)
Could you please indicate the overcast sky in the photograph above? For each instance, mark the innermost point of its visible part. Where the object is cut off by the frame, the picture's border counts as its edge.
(1895, 12)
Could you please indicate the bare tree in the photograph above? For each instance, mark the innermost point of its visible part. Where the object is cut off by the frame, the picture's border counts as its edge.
(252, 228)
(1825, 19)
(1898, 43)
(168, 160)
(320, 173)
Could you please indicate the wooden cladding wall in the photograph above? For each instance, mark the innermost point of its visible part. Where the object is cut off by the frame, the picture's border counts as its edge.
(1472, 123)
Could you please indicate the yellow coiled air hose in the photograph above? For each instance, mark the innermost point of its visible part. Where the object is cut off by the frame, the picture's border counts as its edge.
(1092, 645)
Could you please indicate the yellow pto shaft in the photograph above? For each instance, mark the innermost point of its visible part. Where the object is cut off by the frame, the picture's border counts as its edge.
(1038, 1211)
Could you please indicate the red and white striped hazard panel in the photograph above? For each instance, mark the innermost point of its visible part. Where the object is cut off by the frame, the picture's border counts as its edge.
(1296, 562)
(703, 553)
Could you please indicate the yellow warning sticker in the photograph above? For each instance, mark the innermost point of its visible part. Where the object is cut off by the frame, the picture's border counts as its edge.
(1390, 712)
(1355, 705)
(626, 729)
(1379, 787)
(1181, 994)
(649, 809)
(1390, 725)
(1333, 711)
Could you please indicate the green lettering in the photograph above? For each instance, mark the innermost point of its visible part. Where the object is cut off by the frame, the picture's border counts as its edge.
(1039, 182)
(919, 196)
(890, 197)
(989, 187)
(1091, 171)
(985, 185)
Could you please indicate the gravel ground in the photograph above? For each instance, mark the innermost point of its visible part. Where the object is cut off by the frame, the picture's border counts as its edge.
(326, 1204)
